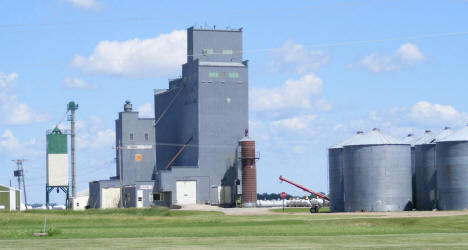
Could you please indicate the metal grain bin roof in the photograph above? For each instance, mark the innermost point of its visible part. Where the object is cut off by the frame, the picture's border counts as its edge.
(460, 135)
(374, 137)
(426, 138)
(443, 134)
(410, 139)
(341, 144)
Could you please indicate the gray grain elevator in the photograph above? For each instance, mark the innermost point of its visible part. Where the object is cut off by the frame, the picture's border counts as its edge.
(135, 161)
(200, 120)
(377, 173)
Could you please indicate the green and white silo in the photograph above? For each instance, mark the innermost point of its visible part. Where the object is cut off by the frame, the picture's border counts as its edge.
(57, 159)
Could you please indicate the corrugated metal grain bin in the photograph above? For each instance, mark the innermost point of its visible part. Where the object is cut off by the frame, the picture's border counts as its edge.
(335, 173)
(377, 173)
(411, 139)
(426, 177)
(425, 172)
(452, 171)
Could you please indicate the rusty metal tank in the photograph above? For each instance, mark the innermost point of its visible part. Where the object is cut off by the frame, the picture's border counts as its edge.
(249, 171)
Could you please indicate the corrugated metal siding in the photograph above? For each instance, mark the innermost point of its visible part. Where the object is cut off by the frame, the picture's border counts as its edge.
(452, 174)
(335, 159)
(377, 178)
(425, 177)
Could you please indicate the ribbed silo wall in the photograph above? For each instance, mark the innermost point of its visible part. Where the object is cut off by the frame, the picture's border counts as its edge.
(413, 174)
(377, 178)
(425, 177)
(335, 173)
(452, 175)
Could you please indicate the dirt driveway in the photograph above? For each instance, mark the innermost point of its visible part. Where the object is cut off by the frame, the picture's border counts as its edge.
(267, 211)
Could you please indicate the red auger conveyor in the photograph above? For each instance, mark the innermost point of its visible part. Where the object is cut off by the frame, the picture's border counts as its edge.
(315, 207)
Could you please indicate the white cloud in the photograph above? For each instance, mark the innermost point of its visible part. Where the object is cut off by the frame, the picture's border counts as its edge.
(95, 140)
(158, 56)
(339, 127)
(85, 4)
(415, 119)
(93, 134)
(12, 111)
(300, 94)
(410, 53)
(428, 113)
(406, 55)
(11, 144)
(146, 110)
(105, 138)
(75, 83)
(297, 57)
(298, 123)
(6, 79)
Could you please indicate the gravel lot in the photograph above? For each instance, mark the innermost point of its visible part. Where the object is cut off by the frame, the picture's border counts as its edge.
(267, 211)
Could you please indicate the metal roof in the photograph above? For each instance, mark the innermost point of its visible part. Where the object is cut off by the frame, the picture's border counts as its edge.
(426, 138)
(341, 144)
(410, 139)
(444, 133)
(460, 135)
(374, 137)
(8, 187)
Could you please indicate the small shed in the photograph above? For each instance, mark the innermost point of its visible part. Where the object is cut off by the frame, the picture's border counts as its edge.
(81, 200)
(9, 198)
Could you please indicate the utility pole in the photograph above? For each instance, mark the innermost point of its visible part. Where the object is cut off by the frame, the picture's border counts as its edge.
(20, 174)
(119, 151)
(72, 106)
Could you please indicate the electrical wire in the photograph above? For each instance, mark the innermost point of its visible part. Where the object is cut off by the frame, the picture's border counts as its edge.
(168, 18)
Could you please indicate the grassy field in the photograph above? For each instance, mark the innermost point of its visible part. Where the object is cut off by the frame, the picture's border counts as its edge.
(161, 228)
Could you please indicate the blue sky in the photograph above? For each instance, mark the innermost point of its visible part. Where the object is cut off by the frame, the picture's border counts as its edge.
(319, 71)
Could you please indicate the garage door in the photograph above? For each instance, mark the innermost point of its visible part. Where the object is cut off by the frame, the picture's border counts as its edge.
(186, 192)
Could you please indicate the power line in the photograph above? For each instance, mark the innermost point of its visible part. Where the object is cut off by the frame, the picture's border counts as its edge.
(318, 45)
(169, 18)
(20, 174)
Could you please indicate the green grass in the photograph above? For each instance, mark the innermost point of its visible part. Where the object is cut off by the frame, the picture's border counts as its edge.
(160, 227)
